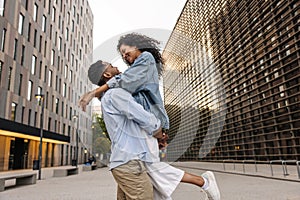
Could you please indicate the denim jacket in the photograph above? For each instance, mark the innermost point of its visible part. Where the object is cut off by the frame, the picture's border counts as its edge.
(141, 80)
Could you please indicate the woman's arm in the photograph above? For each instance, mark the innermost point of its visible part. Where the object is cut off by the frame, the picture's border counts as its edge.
(135, 76)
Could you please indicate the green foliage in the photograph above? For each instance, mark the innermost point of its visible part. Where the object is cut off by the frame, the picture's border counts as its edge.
(101, 141)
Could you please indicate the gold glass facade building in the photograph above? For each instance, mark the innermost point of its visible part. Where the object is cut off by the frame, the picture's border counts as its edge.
(44, 48)
(232, 82)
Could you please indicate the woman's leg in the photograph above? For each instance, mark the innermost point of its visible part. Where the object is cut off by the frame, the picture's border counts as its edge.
(192, 179)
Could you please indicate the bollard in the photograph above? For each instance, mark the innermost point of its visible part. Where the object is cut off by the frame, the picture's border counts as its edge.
(298, 168)
(271, 168)
(255, 166)
(284, 168)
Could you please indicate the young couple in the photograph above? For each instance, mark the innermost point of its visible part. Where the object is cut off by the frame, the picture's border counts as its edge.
(135, 117)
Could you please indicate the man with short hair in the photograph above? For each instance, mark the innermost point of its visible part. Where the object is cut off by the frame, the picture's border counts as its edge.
(132, 131)
(121, 112)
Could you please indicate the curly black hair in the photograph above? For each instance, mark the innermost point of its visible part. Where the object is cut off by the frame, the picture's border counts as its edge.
(144, 43)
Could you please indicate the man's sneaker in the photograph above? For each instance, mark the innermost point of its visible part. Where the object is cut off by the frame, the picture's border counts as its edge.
(212, 190)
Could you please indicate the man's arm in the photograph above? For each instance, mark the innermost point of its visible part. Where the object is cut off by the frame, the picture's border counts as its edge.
(125, 103)
(87, 97)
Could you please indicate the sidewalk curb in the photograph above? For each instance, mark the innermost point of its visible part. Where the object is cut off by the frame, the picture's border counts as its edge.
(242, 174)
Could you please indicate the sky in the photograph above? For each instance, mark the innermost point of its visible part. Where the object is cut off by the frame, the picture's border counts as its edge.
(114, 17)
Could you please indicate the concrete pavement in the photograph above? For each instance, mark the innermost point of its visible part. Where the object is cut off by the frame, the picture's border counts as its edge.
(99, 184)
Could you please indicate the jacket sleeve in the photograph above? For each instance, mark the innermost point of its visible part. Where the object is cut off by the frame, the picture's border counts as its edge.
(125, 103)
(134, 77)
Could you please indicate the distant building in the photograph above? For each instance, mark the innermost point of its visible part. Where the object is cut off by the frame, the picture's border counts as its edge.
(232, 87)
(45, 47)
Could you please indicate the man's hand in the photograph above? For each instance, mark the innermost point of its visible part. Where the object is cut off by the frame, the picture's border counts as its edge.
(85, 99)
(162, 142)
(158, 134)
(162, 138)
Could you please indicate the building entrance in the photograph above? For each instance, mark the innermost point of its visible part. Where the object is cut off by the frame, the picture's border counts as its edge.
(18, 157)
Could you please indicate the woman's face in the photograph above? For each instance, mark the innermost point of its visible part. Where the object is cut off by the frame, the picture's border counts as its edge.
(129, 53)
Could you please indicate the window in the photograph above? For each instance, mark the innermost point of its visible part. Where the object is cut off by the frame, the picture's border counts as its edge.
(35, 12)
(29, 91)
(53, 14)
(66, 71)
(56, 105)
(67, 34)
(70, 113)
(26, 4)
(45, 74)
(34, 119)
(40, 43)
(29, 116)
(65, 90)
(40, 90)
(281, 90)
(13, 111)
(40, 70)
(70, 75)
(50, 34)
(15, 49)
(1, 64)
(73, 26)
(29, 32)
(22, 114)
(68, 18)
(33, 64)
(20, 84)
(59, 43)
(59, 22)
(3, 39)
(62, 110)
(45, 48)
(21, 23)
(47, 100)
(23, 54)
(50, 78)
(44, 23)
(49, 123)
(52, 56)
(9, 78)
(2, 6)
(34, 39)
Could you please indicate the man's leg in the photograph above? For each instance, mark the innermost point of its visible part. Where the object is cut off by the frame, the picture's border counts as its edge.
(133, 180)
(120, 194)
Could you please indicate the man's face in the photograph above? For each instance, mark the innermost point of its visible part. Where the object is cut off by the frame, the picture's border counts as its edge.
(129, 53)
(111, 69)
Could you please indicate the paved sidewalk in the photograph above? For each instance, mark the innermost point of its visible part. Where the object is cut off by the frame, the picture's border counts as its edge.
(99, 184)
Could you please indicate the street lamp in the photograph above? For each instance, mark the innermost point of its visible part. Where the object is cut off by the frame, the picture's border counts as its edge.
(40, 98)
(76, 150)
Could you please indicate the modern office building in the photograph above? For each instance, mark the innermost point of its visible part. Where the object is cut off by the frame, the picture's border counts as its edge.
(232, 83)
(44, 48)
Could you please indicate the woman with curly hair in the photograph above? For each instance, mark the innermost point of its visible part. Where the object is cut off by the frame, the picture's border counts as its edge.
(141, 79)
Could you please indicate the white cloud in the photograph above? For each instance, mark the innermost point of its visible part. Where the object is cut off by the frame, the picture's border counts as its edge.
(114, 17)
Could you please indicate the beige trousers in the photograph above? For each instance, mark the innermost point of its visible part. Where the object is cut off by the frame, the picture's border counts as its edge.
(133, 181)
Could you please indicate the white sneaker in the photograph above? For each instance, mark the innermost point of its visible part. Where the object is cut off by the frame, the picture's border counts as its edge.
(212, 190)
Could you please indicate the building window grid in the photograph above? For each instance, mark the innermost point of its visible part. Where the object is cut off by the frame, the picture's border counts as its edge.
(30, 83)
(273, 73)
